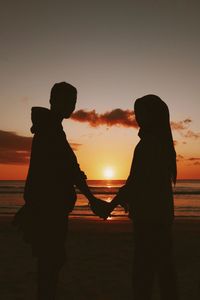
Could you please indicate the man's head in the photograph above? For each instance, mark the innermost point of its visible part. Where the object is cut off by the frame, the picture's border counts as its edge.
(63, 99)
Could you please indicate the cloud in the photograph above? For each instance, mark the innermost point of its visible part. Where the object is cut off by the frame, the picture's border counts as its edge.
(116, 117)
(11, 140)
(75, 146)
(179, 158)
(175, 142)
(192, 134)
(15, 149)
(193, 160)
(181, 125)
(182, 128)
(126, 118)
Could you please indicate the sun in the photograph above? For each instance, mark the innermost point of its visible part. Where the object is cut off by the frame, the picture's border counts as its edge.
(108, 173)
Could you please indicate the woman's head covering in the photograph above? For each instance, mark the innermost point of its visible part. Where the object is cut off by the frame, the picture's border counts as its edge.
(152, 116)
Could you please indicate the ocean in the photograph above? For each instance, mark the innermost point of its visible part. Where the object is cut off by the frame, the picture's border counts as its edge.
(186, 198)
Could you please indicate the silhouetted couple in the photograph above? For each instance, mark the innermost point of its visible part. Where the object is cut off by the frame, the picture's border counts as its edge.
(50, 194)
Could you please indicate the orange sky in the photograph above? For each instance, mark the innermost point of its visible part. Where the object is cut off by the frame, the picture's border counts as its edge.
(12, 172)
(94, 158)
(112, 56)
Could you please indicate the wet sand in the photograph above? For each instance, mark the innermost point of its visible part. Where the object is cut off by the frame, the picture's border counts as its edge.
(99, 261)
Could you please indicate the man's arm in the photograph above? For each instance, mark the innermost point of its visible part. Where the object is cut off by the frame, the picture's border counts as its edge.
(98, 206)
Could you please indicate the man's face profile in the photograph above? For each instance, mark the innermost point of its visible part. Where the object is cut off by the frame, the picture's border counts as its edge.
(63, 99)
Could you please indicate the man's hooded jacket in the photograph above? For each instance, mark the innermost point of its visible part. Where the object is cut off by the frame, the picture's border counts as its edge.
(53, 169)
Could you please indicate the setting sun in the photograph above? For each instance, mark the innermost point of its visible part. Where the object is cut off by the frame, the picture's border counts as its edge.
(108, 173)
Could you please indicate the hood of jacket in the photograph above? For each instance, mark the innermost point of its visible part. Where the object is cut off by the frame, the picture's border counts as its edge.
(44, 121)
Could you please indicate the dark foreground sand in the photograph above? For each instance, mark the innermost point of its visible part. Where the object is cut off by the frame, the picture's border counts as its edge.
(99, 261)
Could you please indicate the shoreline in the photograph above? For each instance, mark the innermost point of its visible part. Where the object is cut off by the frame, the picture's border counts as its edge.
(95, 224)
(122, 218)
(118, 218)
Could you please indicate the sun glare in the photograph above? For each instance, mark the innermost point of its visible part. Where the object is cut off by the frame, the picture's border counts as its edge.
(108, 173)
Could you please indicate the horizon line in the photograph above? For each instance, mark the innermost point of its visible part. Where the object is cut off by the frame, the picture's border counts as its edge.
(101, 179)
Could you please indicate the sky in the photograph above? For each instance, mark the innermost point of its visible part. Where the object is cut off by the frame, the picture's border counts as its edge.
(113, 52)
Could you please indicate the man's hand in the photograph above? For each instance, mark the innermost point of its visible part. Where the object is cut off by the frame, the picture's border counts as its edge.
(100, 208)
(113, 204)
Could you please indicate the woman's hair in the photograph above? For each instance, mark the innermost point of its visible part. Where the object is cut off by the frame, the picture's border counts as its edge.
(152, 115)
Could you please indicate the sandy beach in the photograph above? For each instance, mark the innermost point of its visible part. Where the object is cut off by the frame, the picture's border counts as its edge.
(99, 261)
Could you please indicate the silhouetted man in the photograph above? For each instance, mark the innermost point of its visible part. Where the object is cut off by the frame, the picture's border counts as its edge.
(49, 191)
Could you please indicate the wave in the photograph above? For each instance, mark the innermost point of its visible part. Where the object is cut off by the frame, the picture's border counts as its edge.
(11, 192)
(187, 193)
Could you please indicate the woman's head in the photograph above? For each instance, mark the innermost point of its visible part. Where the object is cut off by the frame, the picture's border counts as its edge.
(152, 116)
(151, 113)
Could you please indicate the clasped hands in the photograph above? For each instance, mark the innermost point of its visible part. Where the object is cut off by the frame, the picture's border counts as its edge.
(103, 209)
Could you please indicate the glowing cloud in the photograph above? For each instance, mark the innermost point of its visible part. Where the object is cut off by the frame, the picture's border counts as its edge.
(114, 117)
(126, 118)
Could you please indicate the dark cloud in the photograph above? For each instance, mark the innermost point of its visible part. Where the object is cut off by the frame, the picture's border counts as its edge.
(14, 157)
(12, 141)
(194, 161)
(194, 158)
(15, 149)
(114, 117)
(179, 156)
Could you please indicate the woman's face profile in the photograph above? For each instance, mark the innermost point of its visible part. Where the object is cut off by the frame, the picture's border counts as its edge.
(141, 116)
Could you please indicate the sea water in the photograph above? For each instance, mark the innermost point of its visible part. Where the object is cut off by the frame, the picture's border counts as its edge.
(186, 198)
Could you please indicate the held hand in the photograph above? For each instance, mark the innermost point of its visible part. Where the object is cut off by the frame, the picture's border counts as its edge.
(100, 208)
(113, 204)
(125, 206)
(122, 202)
(108, 210)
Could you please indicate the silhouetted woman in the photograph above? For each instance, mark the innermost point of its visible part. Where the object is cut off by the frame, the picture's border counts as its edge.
(148, 194)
